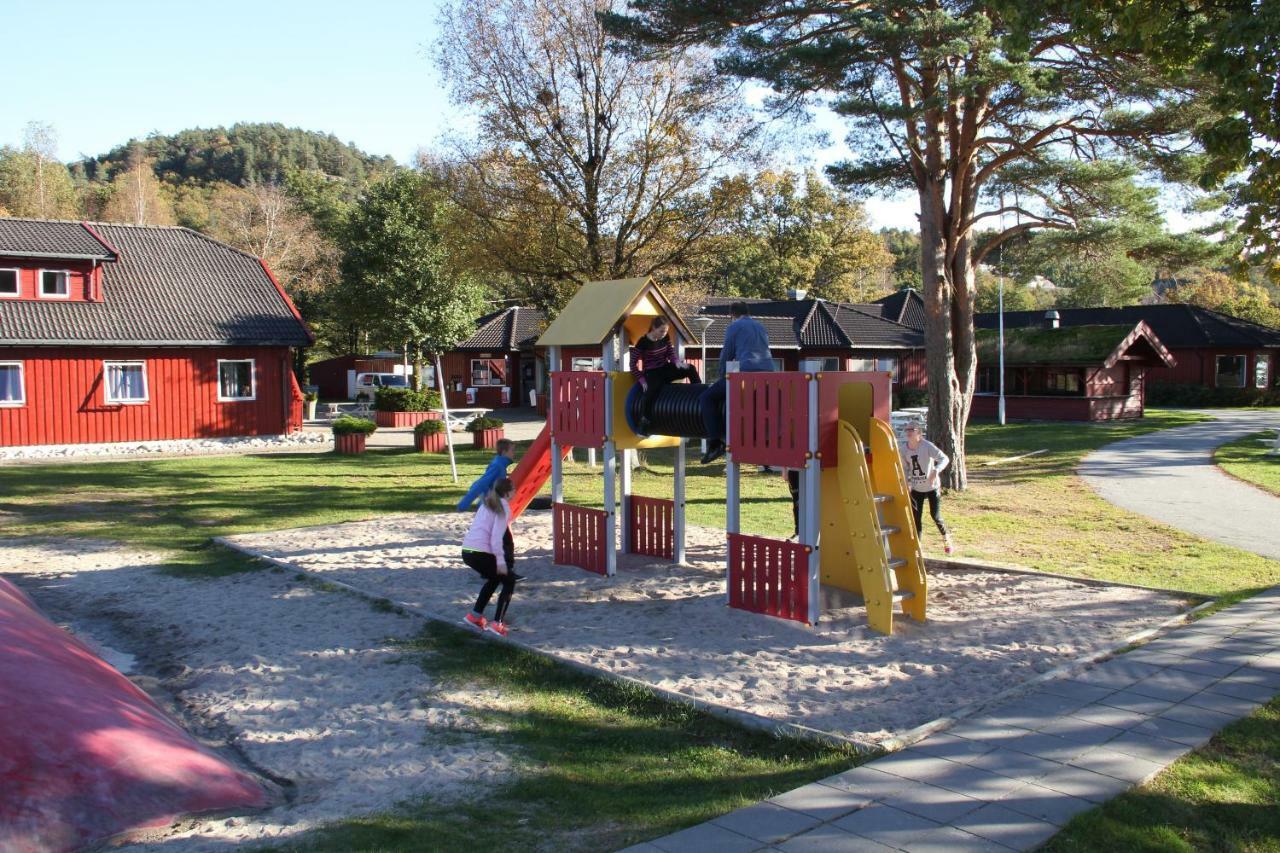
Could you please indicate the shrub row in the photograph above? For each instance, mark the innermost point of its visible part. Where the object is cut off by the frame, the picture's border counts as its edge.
(1198, 396)
(405, 400)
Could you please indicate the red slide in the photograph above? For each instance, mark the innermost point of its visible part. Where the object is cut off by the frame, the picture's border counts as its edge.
(84, 753)
(533, 471)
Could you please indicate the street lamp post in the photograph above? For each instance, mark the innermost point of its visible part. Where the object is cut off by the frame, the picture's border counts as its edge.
(703, 323)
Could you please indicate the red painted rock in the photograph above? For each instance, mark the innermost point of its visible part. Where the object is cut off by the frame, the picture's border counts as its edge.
(84, 753)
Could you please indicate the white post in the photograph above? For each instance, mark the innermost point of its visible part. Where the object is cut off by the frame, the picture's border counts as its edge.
(811, 496)
(557, 466)
(610, 467)
(678, 484)
(705, 373)
(1000, 406)
(448, 431)
(732, 519)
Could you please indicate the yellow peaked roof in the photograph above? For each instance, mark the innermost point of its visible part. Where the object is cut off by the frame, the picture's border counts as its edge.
(598, 306)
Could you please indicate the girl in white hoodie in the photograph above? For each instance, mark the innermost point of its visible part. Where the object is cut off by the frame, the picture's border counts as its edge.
(489, 549)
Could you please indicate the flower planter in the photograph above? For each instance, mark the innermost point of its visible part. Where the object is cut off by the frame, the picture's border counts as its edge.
(351, 443)
(311, 409)
(485, 438)
(391, 420)
(433, 443)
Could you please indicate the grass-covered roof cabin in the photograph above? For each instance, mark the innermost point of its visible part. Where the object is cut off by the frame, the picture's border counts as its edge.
(1076, 373)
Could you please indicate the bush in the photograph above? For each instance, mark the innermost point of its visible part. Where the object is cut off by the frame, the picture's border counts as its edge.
(1198, 396)
(910, 398)
(347, 425)
(429, 428)
(405, 400)
(483, 423)
(311, 396)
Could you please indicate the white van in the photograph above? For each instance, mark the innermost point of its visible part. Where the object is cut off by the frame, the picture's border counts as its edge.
(371, 382)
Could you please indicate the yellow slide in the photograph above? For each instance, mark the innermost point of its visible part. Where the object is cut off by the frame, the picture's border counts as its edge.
(869, 542)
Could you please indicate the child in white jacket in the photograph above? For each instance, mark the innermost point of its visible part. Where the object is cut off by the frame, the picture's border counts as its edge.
(489, 549)
(923, 462)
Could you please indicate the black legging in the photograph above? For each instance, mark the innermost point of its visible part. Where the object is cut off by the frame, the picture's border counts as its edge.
(917, 508)
(486, 565)
(660, 377)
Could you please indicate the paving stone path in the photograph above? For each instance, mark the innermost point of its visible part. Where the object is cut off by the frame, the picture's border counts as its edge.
(1010, 778)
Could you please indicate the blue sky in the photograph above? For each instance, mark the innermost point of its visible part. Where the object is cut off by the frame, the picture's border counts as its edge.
(357, 70)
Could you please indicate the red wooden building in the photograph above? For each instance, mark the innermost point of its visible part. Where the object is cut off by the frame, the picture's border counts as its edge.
(841, 335)
(496, 367)
(1209, 349)
(1081, 373)
(113, 333)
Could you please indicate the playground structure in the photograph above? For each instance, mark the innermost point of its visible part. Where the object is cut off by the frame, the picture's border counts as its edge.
(856, 536)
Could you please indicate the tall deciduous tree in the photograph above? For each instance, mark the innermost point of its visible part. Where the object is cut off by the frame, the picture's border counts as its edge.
(32, 181)
(586, 164)
(795, 231)
(137, 196)
(400, 280)
(1236, 43)
(957, 102)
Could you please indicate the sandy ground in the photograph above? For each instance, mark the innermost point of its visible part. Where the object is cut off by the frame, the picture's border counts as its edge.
(301, 685)
(668, 626)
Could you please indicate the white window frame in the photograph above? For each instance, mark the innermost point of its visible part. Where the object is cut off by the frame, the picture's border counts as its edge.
(106, 383)
(253, 380)
(66, 278)
(22, 386)
(486, 362)
(1261, 371)
(17, 274)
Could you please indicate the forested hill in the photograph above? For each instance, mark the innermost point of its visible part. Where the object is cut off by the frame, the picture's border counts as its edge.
(244, 154)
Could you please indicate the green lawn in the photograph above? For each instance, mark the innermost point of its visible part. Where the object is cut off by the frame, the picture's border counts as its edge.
(1251, 460)
(635, 767)
(1224, 796)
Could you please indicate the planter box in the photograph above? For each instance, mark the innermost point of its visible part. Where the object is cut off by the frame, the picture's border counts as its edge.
(391, 420)
(430, 443)
(486, 438)
(349, 444)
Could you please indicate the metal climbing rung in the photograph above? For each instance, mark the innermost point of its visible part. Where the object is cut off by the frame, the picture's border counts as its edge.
(883, 499)
(897, 563)
(889, 530)
(903, 596)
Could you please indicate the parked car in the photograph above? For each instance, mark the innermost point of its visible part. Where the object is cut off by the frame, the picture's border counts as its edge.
(370, 382)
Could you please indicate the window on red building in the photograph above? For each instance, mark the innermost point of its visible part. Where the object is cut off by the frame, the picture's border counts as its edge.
(488, 371)
(125, 381)
(55, 284)
(235, 379)
(11, 386)
(9, 283)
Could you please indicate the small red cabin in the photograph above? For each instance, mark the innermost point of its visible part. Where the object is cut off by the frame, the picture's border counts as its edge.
(113, 333)
(1081, 373)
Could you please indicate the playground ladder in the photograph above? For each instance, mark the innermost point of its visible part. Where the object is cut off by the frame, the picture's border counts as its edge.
(885, 547)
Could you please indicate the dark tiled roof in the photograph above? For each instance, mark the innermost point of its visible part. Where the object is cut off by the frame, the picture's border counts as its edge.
(905, 307)
(509, 329)
(170, 286)
(46, 238)
(814, 324)
(1177, 326)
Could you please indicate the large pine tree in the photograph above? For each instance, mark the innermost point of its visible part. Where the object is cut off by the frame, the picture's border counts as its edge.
(964, 103)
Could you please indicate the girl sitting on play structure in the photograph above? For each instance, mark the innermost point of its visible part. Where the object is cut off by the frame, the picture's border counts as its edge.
(655, 366)
(489, 549)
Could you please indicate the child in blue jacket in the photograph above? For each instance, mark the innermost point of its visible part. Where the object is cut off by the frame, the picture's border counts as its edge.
(504, 453)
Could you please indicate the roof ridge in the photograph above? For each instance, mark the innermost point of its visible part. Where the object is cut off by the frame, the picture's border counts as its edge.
(840, 332)
(854, 308)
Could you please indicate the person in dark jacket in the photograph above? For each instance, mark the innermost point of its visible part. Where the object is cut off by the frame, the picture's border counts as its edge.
(747, 342)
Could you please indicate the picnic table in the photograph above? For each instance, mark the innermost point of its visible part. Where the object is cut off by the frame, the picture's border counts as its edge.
(459, 418)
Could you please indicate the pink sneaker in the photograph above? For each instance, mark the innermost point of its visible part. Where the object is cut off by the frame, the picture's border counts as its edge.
(477, 622)
(499, 628)
(947, 545)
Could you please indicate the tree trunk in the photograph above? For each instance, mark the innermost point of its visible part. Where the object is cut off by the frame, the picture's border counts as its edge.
(946, 400)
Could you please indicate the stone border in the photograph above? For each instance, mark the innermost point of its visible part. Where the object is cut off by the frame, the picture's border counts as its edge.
(747, 719)
(299, 440)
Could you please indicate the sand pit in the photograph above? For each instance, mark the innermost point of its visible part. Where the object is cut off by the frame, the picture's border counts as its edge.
(304, 687)
(668, 626)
